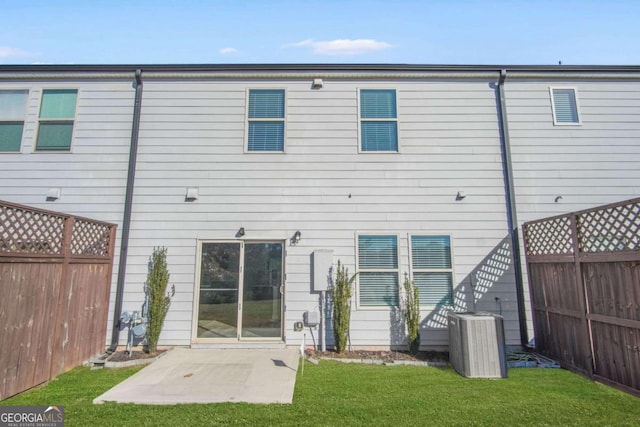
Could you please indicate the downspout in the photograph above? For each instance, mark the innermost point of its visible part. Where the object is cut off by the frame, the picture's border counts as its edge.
(512, 217)
(126, 219)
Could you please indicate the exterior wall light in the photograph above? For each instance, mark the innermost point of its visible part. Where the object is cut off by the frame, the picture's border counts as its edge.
(461, 195)
(240, 232)
(296, 237)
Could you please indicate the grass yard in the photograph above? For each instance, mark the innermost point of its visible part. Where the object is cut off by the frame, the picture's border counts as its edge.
(336, 394)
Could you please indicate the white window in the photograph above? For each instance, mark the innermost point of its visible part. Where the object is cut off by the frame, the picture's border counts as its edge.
(266, 116)
(57, 114)
(377, 270)
(432, 270)
(565, 106)
(13, 104)
(378, 120)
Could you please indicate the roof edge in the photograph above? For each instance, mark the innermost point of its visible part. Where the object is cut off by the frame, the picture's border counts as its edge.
(270, 68)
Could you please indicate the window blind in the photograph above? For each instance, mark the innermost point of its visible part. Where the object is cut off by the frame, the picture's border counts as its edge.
(566, 110)
(378, 288)
(430, 252)
(266, 136)
(377, 104)
(377, 252)
(432, 269)
(266, 104)
(266, 120)
(13, 104)
(58, 104)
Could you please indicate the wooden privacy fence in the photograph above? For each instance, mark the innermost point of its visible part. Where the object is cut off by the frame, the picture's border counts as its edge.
(584, 276)
(55, 276)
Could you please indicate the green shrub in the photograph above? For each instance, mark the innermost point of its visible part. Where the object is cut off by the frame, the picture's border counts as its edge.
(158, 299)
(341, 299)
(412, 315)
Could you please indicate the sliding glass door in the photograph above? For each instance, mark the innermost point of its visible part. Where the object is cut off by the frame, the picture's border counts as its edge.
(240, 290)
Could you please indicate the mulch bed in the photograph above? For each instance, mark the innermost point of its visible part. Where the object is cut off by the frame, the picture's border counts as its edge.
(121, 356)
(422, 356)
(390, 355)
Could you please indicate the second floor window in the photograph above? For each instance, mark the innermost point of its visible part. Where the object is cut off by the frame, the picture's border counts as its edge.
(12, 110)
(57, 114)
(378, 120)
(266, 115)
(565, 106)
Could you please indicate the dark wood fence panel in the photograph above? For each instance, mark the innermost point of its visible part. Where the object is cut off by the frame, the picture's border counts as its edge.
(55, 276)
(584, 276)
(557, 306)
(614, 313)
(30, 296)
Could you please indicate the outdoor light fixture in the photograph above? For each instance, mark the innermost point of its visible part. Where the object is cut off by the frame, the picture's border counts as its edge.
(558, 199)
(296, 237)
(461, 195)
(192, 194)
(241, 232)
(317, 84)
(53, 194)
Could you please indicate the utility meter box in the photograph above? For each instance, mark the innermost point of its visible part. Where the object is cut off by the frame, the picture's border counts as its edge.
(322, 262)
(311, 318)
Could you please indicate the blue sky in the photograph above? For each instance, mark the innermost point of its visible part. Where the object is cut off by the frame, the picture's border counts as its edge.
(285, 31)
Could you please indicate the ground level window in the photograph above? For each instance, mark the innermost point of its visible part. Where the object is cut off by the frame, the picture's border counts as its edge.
(432, 270)
(377, 270)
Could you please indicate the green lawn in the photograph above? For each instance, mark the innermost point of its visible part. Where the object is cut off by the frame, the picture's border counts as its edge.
(337, 394)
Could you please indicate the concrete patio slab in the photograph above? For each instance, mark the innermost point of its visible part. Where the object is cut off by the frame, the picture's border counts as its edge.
(211, 376)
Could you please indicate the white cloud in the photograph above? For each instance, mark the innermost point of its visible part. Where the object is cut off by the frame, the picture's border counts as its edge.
(12, 52)
(342, 46)
(228, 51)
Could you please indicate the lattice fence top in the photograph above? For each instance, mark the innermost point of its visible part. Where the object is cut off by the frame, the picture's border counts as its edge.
(612, 229)
(550, 237)
(25, 230)
(90, 238)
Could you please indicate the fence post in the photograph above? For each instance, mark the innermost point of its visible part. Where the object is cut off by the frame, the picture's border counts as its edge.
(587, 344)
(61, 327)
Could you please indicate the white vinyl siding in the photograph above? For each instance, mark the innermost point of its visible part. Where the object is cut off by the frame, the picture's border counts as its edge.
(13, 105)
(565, 106)
(432, 269)
(57, 114)
(377, 270)
(378, 120)
(266, 116)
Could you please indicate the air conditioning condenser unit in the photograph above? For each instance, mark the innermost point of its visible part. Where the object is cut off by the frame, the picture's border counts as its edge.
(476, 344)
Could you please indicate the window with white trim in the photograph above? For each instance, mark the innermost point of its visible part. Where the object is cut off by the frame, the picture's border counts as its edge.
(565, 106)
(265, 116)
(378, 120)
(432, 270)
(13, 104)
(57, 115)
(377, 270)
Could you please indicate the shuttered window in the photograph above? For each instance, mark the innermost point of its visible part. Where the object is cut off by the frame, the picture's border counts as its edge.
(565, 106)
(378, 120)
(57, 114)
(266, 114)
(13, 104)
(432, 270)
(377, 271)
